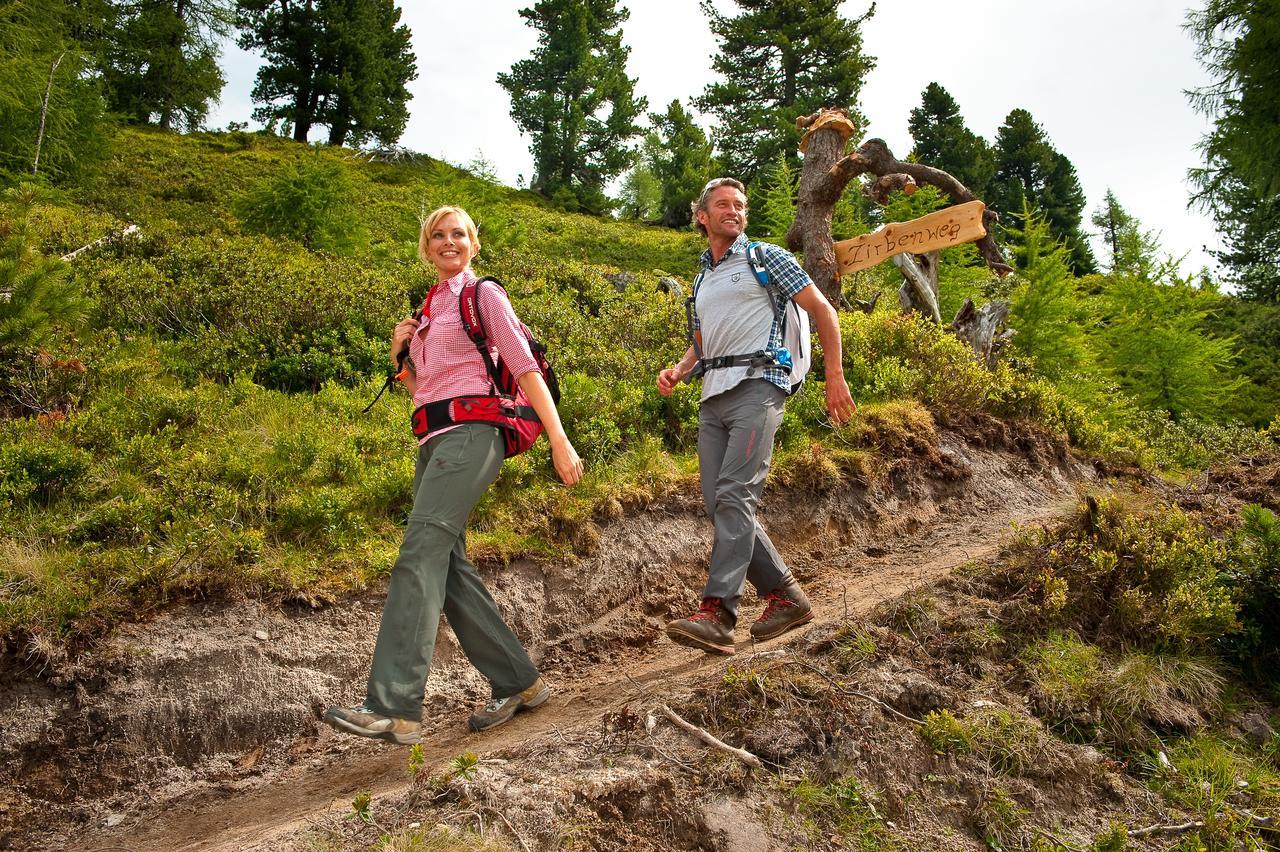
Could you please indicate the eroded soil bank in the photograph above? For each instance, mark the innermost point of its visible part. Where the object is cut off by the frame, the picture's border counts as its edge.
(200, 728)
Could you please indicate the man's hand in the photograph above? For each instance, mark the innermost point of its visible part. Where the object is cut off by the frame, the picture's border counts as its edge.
(668, 379)
(400, 338)
(840, 404)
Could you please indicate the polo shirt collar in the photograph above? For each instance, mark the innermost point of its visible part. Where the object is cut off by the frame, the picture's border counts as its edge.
(740, 244)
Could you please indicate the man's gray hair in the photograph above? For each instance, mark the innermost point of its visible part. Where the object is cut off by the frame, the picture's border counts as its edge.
(701, 203)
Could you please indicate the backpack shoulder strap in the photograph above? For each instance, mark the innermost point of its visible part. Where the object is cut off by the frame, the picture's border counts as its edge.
(473, 323)
(755, 257)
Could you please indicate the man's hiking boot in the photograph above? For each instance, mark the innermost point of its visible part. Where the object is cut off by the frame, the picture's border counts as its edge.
(786, 607)
(500, 710)
(709, 629)
(363, 722)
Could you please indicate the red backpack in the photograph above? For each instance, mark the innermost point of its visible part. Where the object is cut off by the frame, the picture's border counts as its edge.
(506, 407)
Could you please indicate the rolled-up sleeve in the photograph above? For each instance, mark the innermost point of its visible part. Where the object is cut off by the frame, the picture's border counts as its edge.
(504, 331)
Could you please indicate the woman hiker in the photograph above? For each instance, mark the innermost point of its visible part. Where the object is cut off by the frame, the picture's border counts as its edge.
(455, 464)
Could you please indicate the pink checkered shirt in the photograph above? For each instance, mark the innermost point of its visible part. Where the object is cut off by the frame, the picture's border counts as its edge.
(445, 360)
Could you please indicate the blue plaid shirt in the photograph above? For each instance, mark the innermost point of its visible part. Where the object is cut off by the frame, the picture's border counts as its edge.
(786, 279)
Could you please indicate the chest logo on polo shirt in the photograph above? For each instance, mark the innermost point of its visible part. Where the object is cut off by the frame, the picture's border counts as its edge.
(737, 276)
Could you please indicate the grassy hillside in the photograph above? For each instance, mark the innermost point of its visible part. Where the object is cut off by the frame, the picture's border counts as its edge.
(201, 433)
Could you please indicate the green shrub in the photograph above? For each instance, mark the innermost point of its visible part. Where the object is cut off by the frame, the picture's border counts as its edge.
(310, 202)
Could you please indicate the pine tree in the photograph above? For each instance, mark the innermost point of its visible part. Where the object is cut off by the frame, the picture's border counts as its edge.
(1031, 172)
(1238, 42)
(344, 64)
(161, 61)
(942, 140)
(35, 292)
(680, 158)
(779, 59)
(573, 97)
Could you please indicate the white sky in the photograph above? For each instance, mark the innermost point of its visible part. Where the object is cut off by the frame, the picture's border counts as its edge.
(1104, 78)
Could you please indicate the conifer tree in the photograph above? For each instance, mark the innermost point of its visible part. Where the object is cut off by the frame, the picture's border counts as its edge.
(942, 140)
(1128, 250)
(1238, 41)
(773, 207)
(35, 291)
(1030, 171)
(680, 158)
(343, 64)
(641, 194)
(1154, 342)
(51, 105)
(1046, 308)
(779, 59)
(161, 60)
(573, 97)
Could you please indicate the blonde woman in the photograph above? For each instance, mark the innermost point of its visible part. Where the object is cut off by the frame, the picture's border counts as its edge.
(456, 463)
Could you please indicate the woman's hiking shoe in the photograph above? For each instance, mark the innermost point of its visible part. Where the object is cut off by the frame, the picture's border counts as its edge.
(786, 607)
(500, 710)
(363, 722)
(709, 629)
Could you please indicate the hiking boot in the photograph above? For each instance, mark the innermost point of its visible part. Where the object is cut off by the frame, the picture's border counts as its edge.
(500, 710)
(786, 607)
(363, 722)
(709, 629)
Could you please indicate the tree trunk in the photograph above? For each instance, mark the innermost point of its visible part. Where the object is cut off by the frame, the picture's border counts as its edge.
(978, 328)
(44, 113)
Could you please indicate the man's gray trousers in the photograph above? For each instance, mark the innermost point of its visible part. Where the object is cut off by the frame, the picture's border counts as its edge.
(735, 445)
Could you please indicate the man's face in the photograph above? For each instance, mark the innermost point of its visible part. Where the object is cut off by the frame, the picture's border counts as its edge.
(726, 214)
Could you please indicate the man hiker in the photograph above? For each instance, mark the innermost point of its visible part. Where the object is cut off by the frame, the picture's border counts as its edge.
(737, 308)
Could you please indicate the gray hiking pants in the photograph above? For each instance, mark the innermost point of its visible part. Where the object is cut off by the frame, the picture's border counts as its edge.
(432, 575)
(735, 446)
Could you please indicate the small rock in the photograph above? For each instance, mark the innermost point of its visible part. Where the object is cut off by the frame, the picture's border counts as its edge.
(261, 635)
(1256, 728)
(113, 820)
(670, 285)
(622, 280)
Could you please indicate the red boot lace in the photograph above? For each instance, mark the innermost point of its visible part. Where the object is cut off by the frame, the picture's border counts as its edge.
(777, 601)
(708, 609)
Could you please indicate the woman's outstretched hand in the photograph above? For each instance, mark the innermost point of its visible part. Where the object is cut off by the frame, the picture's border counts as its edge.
(566, 462)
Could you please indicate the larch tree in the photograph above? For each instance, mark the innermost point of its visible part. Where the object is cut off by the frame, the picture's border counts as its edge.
(161, 61)
(1238, 42)
(51, 104)
(942, 140)
(778, 60)
(342, 64)
(573, 97)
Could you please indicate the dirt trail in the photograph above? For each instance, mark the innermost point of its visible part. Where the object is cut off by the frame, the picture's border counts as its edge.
(262, 812)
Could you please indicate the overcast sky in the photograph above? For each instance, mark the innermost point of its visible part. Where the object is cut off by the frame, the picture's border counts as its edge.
(1104, 78)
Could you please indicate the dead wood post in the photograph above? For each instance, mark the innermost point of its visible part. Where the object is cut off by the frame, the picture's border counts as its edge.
(827, 170)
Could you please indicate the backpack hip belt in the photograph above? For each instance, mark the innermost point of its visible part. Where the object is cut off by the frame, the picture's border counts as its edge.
(500, 411)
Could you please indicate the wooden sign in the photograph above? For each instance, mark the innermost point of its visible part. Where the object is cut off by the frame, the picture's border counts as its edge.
(945, 228)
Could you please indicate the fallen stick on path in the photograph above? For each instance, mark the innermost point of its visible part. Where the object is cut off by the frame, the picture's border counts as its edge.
(745, 756)
(1167, 829)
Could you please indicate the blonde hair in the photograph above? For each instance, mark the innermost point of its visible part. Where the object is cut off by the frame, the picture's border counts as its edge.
(432, 220)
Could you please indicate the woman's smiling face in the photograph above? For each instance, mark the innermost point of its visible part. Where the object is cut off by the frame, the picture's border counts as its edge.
(449, 246)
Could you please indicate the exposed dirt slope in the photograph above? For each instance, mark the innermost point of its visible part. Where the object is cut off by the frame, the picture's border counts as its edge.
(199, 730)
